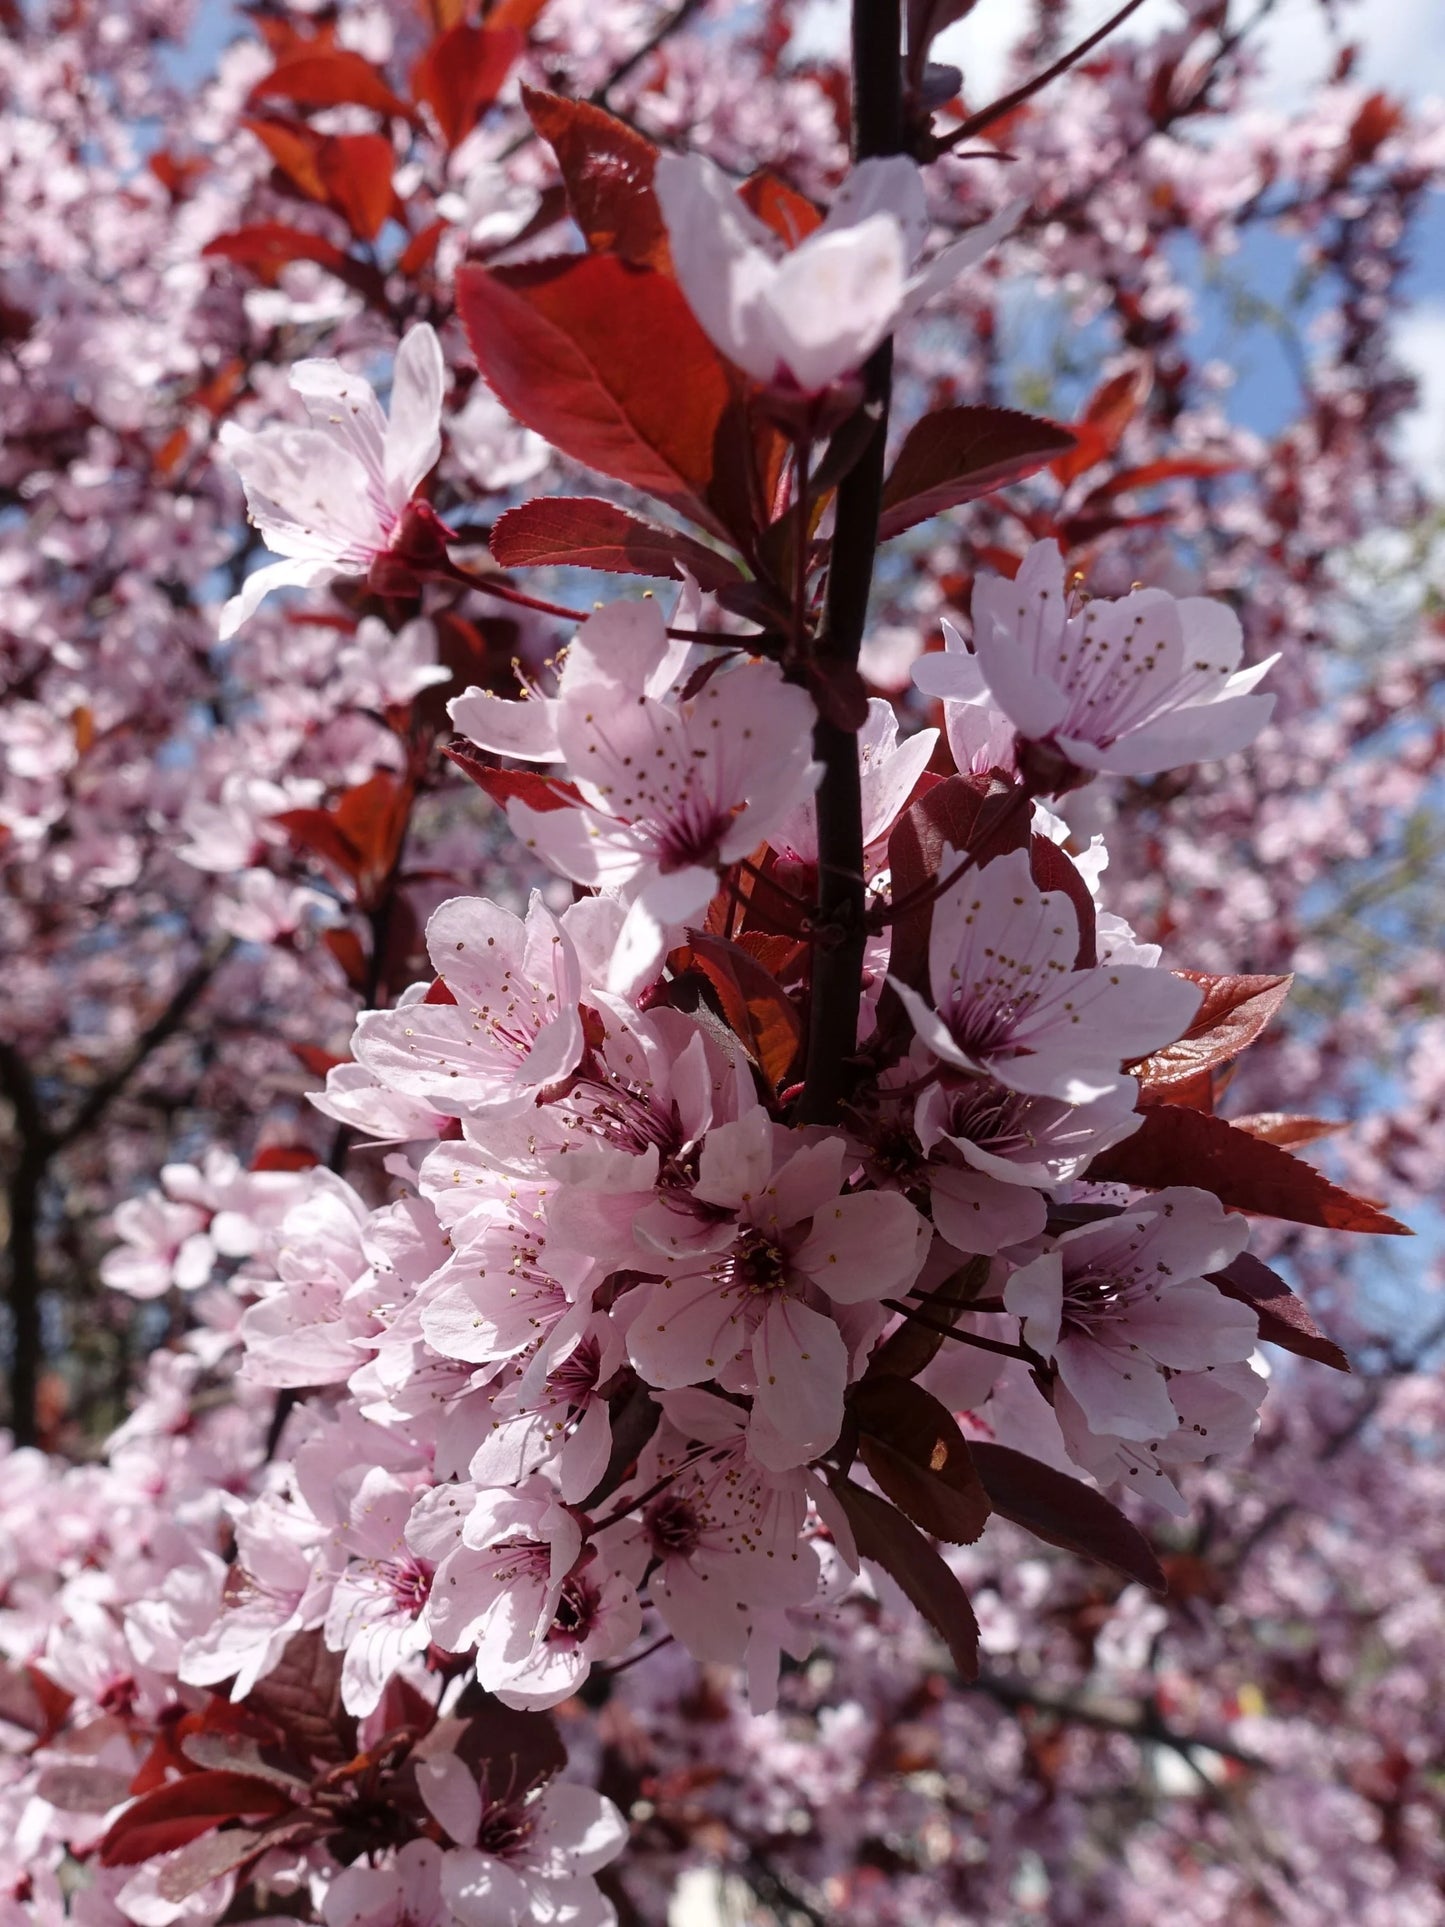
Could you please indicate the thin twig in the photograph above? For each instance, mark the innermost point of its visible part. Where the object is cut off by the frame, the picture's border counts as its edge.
(986, 116)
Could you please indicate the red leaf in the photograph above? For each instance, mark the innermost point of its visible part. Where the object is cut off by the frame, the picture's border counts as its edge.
(1283, 1128)
(301, 1697)
(333, 78)
(521, 14)
(608, 363)
(1175, 1146)
(421, 248)
(790, 215)
(913, 1449)
(1232, 1014)
(539, 792)
(885, 1536)
(32, 1701)
(356, 172)
(285, 1157)
(269, 246)
(1107, 413)
(182, 1809)
(294, 148)
(584, 533)
(205, 1860)
(1151, 474)
(462, 72)
(361, 835)
(906, 1351)
(957, 454)
(966, 812)
(82, 1786)
(1053, 868)
(607, 170)
(345, 945)
(1377, 119)
(756, 1007)
(1283, 1319)
(1064, 1512)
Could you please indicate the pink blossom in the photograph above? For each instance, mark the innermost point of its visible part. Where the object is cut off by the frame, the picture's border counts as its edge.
(376, 1615)
(514, 1028)
(808, 316)
(1119, 1307)
(1010, 1003)
(409, 1890)
(521, 1857)
(1126, 687)
(331, 497)
(762, 1314)
(671, 791)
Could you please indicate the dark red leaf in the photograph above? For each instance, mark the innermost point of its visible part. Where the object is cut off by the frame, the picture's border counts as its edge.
(1054, 869)
(755, 1006)
(81, 1786)
(269, 246)
(1283, 1319)
(969, 814)
(1175, 1146)
(332, 78)
(1107, 413)
(915, 1452)
(356, 171)
(1064, 1512)
(32, 1701)
(1379, 116)
(607, 170)
(1150, 474)
(1232, 1014)
(539, 792)
(886, 1537)
(1284, 1128)
(905, 1352)
(608, 363)
(462, 72)
(584, 533)
(957, 454)
(206, 1859)
(182, 1809)
(301, 1697)
(790, 215)
(347, 948)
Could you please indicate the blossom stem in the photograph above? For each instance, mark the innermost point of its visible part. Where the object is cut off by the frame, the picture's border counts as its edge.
(840, 926)
(975, 1339)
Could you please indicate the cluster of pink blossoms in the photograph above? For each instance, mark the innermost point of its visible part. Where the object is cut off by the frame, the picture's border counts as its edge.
(595, 1373)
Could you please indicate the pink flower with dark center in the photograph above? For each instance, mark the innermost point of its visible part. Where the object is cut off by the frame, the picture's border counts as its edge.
(520, 1855)
(1118, 1306)
(760, 1315)
(1008, 1002)
(513, 1030)
(671, 791)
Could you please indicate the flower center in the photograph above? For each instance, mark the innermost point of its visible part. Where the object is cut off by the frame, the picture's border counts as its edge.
(758, 1264)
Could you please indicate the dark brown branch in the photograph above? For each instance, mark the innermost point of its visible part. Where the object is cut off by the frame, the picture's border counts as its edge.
(186, 996)
(1139, 1721)
(34, 1149)
(840, 928)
